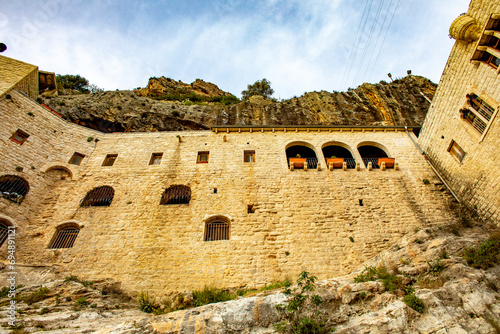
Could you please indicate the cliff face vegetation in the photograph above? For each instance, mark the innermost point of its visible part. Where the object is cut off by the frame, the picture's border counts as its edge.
(169, 105)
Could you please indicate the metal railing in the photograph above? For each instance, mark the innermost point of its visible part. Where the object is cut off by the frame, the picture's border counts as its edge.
(65, 238)
(374, 162)
(4, 232)
(350, 162)
(312, 163)
(13, 188)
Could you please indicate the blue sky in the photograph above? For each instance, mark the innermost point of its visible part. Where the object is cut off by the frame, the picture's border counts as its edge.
(299, 46)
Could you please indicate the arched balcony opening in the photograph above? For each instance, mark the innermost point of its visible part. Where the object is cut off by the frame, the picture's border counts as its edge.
(100, 196)
(177, 194)
(298, 154)
(337, 155)
(375, 155)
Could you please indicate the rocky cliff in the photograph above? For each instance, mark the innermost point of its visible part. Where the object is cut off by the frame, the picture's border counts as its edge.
(169, 105)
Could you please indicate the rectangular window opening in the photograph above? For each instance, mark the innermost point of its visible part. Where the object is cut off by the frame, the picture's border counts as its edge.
(489, 44)
(249, 156)
(202, 157)
(155, 158)
(76, 159)
(477, 113)
(19, 136)
(110, 160)
(456, 151)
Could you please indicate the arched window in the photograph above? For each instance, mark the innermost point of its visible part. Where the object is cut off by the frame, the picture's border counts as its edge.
(335, 151)
(14, 188)
(4, 232)
(216, 229)
(176, 194)
(100, 196)
(64, 238)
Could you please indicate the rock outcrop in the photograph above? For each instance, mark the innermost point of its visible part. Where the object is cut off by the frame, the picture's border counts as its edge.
(402, 102)
(457, 298)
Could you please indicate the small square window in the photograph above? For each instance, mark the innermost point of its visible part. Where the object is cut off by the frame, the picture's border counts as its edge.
(19, 136)
(110, 160)
(456, 151)
(249, 156)
(155, 158)
(202, 157)
(76, 159)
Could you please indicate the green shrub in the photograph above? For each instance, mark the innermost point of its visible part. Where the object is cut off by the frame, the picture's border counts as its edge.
(36, 296)
(211, 295)
(81, 303)
(302, 313)
(147, 304)
(391, 281)
(418, 241)
(231, 99)
(484, 256)
(89, 139)
(4, 291)
(77, 280)
(414, 302)
(435, 267)
(351, 238)
(425, 181)
(175, 113)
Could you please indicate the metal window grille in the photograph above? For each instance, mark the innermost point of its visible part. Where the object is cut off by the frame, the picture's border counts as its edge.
(101, 196)
(13, 188)
(65, 238)
(4, 232)
(217, 231)
(203, 157)
(374, 162)
(177, 194)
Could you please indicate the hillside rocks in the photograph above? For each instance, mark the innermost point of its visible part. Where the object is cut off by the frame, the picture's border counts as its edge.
(457, 298)
(402, 102)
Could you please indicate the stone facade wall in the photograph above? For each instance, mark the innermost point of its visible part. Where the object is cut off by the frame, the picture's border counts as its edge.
(18, 75)
(475, 179)
(302, 220)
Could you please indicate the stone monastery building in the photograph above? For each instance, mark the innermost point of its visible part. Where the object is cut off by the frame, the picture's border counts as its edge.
(230, 206)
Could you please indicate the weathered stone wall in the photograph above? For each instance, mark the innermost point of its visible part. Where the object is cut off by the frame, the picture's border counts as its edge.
(18, 75)
(302, 219)
(475, 179)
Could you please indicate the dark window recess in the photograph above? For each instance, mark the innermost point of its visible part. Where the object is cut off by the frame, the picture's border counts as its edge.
(360, 202)
(176, 194)
(215, 190)
(155, 158)
(101, 196)
(249, 156)
(216, 231)
(478, 113)
(13, 188)
(488, 46)
(456, 151)
(250, 208)
(203, 157)
(110, 160)
(19, 136)
(65, 238)
(4, 232)
(76, 159)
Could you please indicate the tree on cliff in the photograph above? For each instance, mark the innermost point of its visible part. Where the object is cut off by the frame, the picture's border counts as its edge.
(260, 87)
(76, 82)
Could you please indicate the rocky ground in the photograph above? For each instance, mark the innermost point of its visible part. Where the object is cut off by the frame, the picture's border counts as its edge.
(402, 102)
(457, 298)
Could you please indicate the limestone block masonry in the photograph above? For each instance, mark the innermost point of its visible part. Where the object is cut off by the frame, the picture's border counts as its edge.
(326, 222)
(474, 177)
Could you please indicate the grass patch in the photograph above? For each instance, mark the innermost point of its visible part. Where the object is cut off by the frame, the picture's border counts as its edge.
(414, 302)
(36, 296)
(484, 256)
(210, 295)
(80, 303)
(391, 281)
(73, 278)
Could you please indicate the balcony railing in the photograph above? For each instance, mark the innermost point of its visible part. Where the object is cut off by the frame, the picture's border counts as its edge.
(312, 163)
(374, 162)
(351, 163)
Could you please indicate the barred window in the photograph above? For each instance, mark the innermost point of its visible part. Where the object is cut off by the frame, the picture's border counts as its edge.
(13, 188)
(216, 230)
(249, 156)
(4, 232)
(176, 194)
(100, 196)
(65, 238)
(478, 113)
(203, 157)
